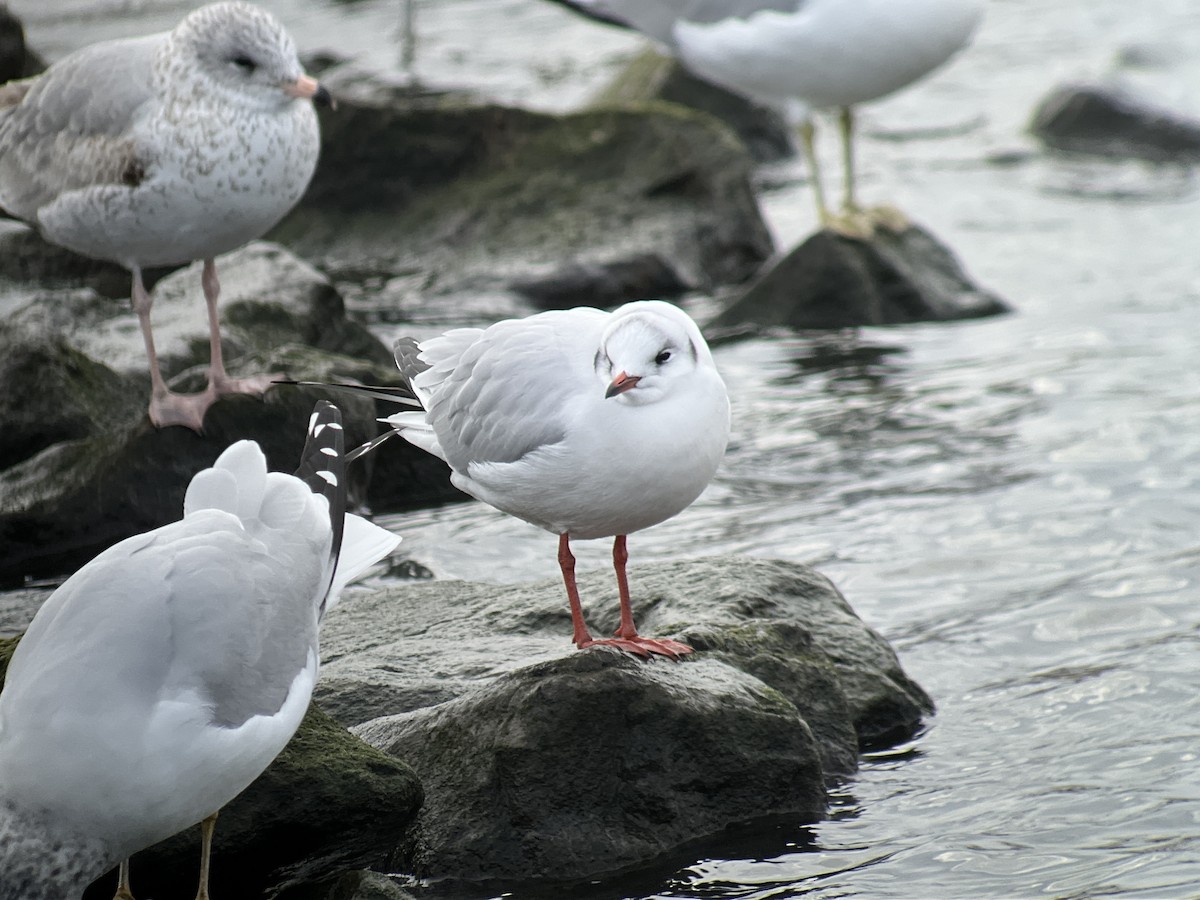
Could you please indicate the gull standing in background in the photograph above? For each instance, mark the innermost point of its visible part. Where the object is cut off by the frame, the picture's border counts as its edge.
(798, 56)
(165, 675)
(586, 423)
(165, 149)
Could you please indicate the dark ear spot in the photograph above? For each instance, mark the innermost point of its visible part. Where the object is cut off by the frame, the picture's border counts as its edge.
(133, 174)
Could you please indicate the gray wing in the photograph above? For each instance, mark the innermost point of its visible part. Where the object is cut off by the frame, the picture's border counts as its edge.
(72, 127)
(705, 12)
(508, 391)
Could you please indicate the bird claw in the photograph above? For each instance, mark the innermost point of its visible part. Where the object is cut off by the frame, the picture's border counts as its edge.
(642, 646)
(181, 409)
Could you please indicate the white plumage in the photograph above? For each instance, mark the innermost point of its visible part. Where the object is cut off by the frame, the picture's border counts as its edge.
(160, 679)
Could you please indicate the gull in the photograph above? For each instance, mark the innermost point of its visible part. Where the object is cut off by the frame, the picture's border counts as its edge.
(586, 423)
(799, 56)
(162, 677)
(162, 150)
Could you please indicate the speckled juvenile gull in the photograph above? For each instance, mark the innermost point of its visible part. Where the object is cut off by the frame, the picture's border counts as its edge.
(803, 55)
(162, 150)
(585, 423)
(167, 673)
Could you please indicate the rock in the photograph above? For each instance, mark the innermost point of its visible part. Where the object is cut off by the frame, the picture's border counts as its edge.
(603, 285)
(1104, 121)
(478, 688)
(653, 76)
(16, 59)
(835, 281)
(366, 885)
(448, 200)
(595, 762)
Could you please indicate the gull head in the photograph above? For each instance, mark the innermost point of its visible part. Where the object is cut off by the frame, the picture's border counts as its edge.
(244, 53)
(648, 350)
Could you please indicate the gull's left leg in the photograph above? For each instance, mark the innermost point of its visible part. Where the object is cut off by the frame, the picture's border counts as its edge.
(627, 630)
(206, 834)
(123, 891)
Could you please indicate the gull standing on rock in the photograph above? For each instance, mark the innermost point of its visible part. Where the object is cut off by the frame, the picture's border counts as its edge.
(161, 678)
(585, 423)
(162, 150)
(798, 56)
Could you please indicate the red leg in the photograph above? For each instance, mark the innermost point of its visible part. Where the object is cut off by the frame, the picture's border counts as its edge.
(627, 632)
(566, 562)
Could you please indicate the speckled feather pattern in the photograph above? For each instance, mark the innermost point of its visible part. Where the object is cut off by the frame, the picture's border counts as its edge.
(156, 150)
(40, 864)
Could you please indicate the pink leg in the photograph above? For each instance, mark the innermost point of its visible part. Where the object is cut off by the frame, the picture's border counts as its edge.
(166, 407)
(218, 381)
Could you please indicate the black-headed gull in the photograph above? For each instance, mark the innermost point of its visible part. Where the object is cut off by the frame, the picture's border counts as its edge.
(162, 150)
(161, 678)
(798, 56)
(586, 423)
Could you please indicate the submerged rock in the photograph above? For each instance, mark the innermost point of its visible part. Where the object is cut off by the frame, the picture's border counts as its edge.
(1104, 121)
(570, 765)
(835, 281)
(448, 199)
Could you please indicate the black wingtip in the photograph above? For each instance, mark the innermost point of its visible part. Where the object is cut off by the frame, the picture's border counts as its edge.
(323, 469)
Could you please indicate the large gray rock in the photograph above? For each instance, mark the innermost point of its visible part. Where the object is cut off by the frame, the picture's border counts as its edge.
(1099, 120)
(445, 200)
(835, 281)
(570, 764)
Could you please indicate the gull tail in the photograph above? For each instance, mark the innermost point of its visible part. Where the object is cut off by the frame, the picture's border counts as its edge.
(401, 395)
(357, 544)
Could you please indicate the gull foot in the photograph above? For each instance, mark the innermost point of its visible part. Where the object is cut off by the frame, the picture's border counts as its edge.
(181, 409)
(643, 646)
(861, 224)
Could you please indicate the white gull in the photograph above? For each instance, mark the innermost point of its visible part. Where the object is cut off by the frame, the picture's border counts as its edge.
(161, 150)
(585, 423)
(799, 56)
(161, 679)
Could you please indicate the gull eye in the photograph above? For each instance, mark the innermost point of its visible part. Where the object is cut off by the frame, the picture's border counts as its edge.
(663, 356)
(245, 63)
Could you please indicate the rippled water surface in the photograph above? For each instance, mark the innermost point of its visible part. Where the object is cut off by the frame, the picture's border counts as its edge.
(1012, 502)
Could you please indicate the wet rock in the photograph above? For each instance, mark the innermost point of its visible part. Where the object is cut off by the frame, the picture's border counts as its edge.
(604, 284)
(17, 60)
(366, 885)
(463, 199)
(835, 281)
(479, 689)
(652, 76)
(1105, 121)
(595, 762)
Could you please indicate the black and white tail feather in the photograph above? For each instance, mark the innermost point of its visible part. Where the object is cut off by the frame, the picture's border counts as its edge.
(323, 469)
(407, 352)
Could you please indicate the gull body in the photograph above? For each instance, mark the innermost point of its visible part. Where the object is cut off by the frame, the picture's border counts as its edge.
(165, 149)
(799, 56)
(161, 679)
(585, 423)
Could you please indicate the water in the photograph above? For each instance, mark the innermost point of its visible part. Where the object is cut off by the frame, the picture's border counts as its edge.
(1012, 502)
